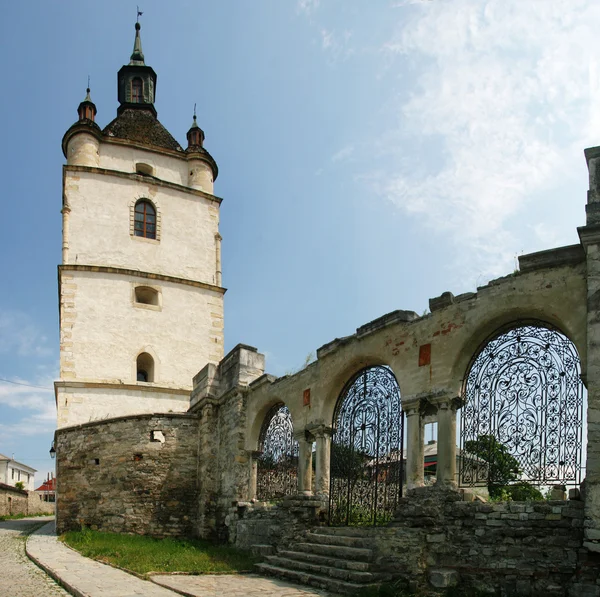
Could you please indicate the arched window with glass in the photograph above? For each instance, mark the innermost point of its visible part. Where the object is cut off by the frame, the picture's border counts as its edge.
(144, 219)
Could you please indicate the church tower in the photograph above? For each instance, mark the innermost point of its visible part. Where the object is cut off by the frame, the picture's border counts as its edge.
(141, 301)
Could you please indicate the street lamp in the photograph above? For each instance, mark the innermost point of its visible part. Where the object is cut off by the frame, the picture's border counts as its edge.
(52, 451)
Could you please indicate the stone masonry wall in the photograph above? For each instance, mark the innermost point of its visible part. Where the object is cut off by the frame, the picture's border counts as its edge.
(131, 475)
(13, 500)
(529, 549)
(513, 548)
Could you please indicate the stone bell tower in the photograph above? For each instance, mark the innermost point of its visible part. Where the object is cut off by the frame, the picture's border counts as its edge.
(141, 301)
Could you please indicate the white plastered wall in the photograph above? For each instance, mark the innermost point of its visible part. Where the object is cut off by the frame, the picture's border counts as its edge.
(78, 405)
(109, 329)
(124, 159)
(100, 227)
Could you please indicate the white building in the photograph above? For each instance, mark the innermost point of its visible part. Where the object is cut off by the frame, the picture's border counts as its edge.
(13, 472)
(141, 301)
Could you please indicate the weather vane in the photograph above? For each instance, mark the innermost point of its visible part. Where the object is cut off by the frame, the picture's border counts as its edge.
(139, 14)
(88, 81)
(194, 110)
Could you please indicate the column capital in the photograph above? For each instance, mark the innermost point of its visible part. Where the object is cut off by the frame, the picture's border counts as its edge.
(304, 435)
(320, 430)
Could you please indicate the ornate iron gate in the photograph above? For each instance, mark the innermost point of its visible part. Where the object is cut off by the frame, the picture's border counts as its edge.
(366, 450)
(277, 467)
(523, 410)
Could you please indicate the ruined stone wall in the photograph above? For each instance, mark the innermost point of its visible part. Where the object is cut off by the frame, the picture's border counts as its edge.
(518, 548)
(513, 548)
(131, 474)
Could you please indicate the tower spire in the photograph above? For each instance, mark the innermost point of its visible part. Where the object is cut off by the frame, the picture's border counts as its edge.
(137, 57)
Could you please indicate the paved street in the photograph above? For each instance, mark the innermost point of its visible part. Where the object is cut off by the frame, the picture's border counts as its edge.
(229, 585)
(87, 578)
(19, 577)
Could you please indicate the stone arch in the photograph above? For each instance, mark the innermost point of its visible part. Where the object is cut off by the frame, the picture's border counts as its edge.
(502, 318)
(340, 378)
(277, 462)
(367, 449)
(523, 412)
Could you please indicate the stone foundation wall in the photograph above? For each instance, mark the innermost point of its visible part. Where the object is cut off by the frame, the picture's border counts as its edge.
(133, 474)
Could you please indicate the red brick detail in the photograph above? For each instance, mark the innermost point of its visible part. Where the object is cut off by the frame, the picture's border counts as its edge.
(424, 355)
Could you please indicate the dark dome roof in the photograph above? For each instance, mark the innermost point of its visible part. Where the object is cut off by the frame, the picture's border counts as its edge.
(141, 126)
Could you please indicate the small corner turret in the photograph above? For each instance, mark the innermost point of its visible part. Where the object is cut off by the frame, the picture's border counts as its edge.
(87, 108)
(203, 168)
(81, 142)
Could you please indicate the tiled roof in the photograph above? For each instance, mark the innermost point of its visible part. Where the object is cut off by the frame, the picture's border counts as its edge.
(48, 485)
(143, 127)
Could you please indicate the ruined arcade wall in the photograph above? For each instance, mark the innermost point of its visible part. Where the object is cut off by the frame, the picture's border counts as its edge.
(133, 474)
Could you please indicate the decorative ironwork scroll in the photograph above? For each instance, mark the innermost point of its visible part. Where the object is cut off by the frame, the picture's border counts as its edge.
(522, 418)
(277, 467)
(366, 450)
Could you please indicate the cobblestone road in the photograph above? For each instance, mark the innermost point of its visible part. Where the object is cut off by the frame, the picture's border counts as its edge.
(20, 577)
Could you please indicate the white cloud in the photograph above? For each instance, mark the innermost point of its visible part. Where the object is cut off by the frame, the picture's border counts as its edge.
(35, 407)
(343, 154)
(337, 45)
(506, 89)
(307, 7)
(19, 335)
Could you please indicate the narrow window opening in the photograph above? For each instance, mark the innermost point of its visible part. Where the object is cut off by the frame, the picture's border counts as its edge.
(146, 296)
(137, 91)
(144, 169)
(145, 368)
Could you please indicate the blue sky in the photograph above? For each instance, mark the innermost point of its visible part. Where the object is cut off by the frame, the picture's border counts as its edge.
(371, 155)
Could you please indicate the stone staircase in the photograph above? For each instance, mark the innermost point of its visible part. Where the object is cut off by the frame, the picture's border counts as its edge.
(338, 559)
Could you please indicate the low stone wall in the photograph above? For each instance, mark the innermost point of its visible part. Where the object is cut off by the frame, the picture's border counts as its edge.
(135, 474)
(13, 500)
(253, 524)
(37, 505)
(513, 548)
(436, 541)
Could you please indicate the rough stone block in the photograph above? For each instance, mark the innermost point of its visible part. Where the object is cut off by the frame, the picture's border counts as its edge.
(443, 578)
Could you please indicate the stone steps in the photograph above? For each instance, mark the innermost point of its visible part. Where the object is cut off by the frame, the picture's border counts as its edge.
(355, 576)
(314, 580)
(325, 561)
(338, 560)
(336, 551)
(337, 539)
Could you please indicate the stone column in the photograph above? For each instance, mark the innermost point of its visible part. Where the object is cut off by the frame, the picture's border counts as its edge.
(415, 448)
(590, 239)
(446, 447)
(323, 454)
(304, 463)
(253, 474)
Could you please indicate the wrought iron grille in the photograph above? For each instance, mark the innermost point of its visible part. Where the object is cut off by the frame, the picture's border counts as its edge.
(366, 450)
(522, 418)
(277, 467)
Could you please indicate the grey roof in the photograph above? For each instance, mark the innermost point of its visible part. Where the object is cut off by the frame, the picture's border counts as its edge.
(3, 457)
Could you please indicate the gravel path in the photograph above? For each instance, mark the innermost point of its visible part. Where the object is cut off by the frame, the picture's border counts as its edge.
(20, 577)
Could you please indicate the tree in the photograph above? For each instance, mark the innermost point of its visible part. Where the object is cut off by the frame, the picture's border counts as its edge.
(502, 466)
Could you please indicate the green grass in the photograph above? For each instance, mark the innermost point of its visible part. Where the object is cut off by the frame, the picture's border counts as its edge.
(19, 516)
(143, 555)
